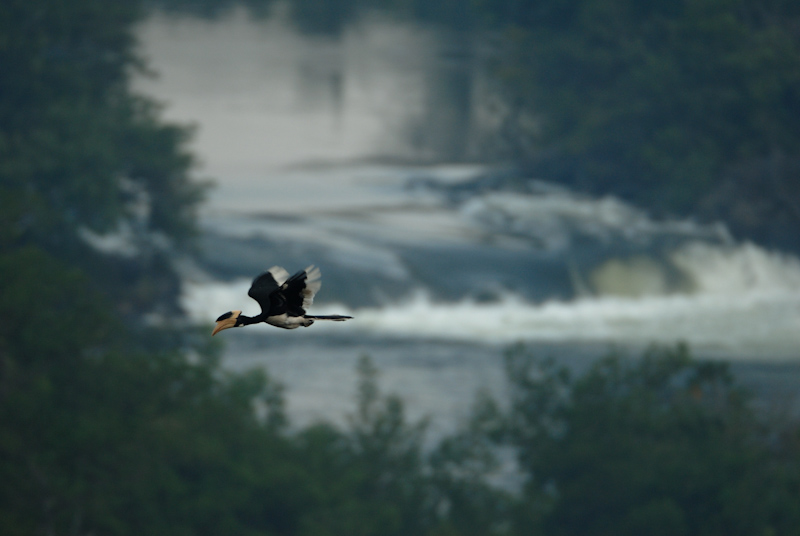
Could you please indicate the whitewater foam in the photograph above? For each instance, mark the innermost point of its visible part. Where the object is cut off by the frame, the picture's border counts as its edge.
(745, 302)
(738, 270)
(553, 217)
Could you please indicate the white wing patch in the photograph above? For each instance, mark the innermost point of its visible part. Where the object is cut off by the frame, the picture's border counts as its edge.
(313, 284)
(279, 274)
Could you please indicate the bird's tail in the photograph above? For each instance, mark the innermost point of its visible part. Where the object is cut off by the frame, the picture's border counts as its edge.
(335, 318)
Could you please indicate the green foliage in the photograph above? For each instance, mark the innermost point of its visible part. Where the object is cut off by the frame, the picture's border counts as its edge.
(97, 435)
(77, 148)
(379, 486)
(210, 9)
(81, 155)
(679, 106)
(39, 292)
(378, 477)
(661, 445)
(467, 469)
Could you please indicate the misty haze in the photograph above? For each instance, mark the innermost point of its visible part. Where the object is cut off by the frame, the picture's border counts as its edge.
(310, 141)
(566, 233)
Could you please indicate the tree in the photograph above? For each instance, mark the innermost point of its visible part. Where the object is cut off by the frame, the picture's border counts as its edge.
(373, 473)
(81, 156)
(660, 445)
(683, 107)
(101, 434)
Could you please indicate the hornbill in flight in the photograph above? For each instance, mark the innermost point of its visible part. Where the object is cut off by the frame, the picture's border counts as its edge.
(283, 300)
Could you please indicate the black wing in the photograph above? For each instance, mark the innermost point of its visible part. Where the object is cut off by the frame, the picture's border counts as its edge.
(265, 285)
(277, 293)
(293, 293)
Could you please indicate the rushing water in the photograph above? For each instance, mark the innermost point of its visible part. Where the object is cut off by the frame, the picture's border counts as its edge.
(439, 288)
(441, 266)
(497, 268)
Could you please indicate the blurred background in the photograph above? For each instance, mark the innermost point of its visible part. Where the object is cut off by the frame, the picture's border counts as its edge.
(566, 231)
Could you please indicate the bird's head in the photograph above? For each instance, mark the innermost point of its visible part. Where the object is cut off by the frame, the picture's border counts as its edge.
(228, 320)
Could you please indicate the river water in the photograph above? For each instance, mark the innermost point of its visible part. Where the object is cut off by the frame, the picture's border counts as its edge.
(442, 266)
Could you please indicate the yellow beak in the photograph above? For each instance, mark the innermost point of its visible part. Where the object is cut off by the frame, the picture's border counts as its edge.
(225, 323)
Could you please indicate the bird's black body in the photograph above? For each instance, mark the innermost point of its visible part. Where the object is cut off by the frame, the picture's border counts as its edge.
(283, 300)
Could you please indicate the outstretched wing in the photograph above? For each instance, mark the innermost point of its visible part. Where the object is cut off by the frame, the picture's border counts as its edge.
(265, 285)
(299, 290)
